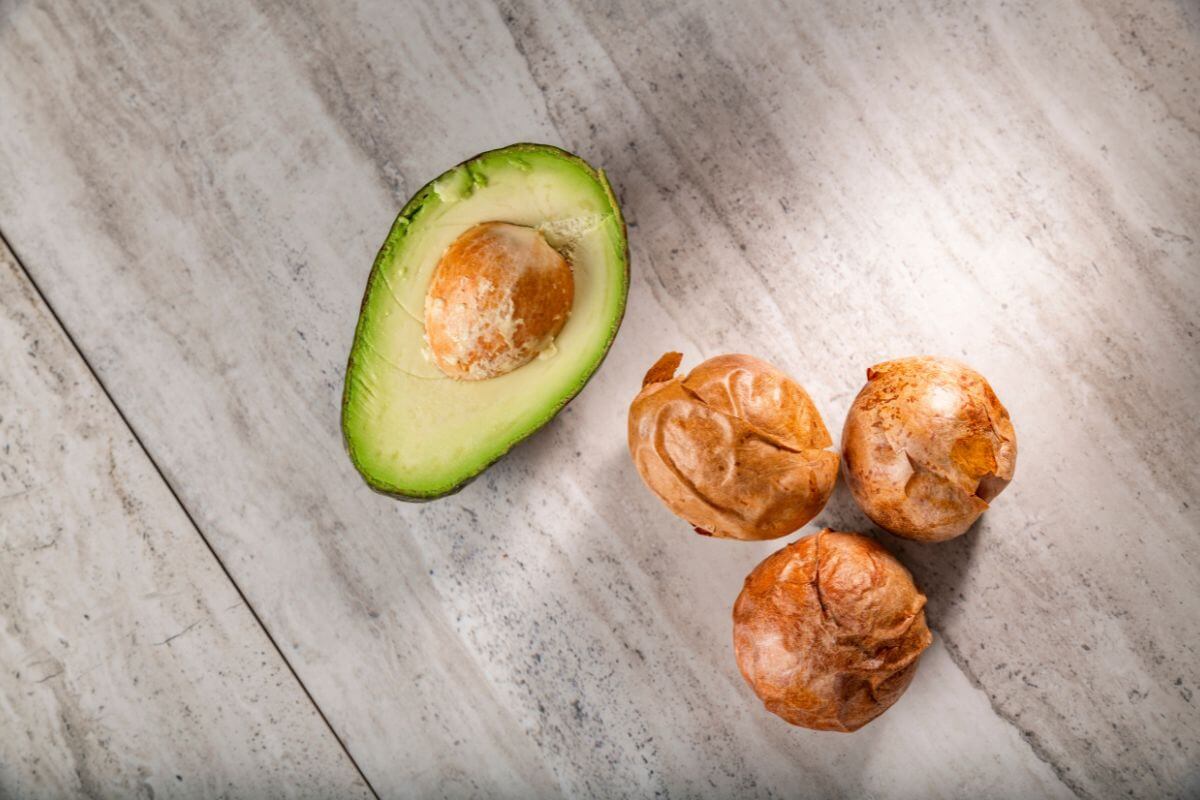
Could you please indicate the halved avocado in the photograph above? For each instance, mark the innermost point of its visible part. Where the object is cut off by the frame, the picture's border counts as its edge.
(411, 431)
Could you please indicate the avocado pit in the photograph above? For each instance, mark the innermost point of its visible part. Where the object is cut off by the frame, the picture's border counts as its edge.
(498, 298)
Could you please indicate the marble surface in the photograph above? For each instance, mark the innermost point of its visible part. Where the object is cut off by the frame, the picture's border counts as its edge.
(199, 192)
(130, 665)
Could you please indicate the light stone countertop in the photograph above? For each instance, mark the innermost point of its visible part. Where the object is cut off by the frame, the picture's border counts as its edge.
(131, 665)
(193, 194)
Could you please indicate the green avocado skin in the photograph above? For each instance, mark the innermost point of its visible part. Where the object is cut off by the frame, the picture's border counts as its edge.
(410, 215)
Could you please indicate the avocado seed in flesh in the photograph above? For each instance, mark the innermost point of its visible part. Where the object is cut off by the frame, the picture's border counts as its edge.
(498, 297)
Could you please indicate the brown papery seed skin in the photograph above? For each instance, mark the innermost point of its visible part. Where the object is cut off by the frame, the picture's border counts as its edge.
(828, 631)
(736, 447)
(498, 297)
(927, 446)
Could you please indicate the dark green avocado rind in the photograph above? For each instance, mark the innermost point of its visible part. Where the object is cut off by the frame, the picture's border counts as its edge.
(409, 216)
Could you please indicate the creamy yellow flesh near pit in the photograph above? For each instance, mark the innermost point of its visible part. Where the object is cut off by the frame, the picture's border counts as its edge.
(411, 430)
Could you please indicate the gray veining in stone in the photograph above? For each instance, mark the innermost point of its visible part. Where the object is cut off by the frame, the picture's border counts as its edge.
(200, 192)
(129, 665)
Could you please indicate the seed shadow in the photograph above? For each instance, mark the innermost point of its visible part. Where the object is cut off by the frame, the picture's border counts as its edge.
(940, 569)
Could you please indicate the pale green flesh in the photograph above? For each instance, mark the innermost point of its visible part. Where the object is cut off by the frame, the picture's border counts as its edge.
(411, 430)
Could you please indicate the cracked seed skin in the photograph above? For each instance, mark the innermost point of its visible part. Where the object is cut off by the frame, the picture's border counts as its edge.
(736, 447)
(828, 631)
(927, 446)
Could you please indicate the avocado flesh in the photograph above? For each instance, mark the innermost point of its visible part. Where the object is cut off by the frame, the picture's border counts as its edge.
(415, 433)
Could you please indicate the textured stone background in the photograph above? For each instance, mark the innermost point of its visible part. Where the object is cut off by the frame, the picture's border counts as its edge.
(197, 191)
